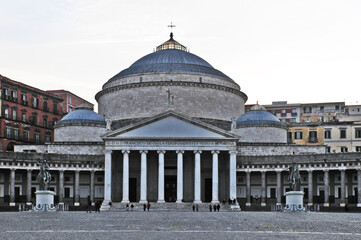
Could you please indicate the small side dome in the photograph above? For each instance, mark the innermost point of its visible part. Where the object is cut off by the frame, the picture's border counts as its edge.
(258, 116)
(82, 115)
(260, 126)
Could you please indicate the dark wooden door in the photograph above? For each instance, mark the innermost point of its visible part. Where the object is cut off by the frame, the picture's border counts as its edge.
(208, 189)
(132, 189)
(170, 188)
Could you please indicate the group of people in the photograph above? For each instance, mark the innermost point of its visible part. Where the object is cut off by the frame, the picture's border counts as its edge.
(97, 206)
(131, 207)
(146, 206)
(215, 207)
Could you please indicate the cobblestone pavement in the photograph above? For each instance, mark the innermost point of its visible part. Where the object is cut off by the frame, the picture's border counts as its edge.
(179, 225)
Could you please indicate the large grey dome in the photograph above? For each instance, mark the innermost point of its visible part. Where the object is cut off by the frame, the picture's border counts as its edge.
(171, 61)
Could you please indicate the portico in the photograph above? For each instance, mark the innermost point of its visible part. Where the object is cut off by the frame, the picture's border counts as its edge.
(170, 158)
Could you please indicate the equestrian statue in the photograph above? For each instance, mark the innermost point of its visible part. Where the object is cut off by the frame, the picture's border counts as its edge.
(44, 176)
(294, 177)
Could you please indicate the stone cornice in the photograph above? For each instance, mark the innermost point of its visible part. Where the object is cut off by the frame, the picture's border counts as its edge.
(171, 83)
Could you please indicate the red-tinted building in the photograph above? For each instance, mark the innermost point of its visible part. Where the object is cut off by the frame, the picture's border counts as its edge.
(70, 100)
(27, 114)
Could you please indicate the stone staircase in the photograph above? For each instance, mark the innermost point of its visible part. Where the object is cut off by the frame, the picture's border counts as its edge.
(170, 207)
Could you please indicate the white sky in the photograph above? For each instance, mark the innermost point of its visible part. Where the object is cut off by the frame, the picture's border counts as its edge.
(294, 50)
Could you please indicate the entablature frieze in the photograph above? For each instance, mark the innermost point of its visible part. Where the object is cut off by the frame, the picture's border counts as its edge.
(221, 145)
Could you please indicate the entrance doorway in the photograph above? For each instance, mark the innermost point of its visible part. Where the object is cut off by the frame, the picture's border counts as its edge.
(208, 189)
(132, 189)
(170, 188)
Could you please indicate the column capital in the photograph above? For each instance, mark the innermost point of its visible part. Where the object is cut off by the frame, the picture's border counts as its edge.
(309, 170)
(108, 151)
(233, 152)
(179, 151)
(215, 152)
(161, 151)
(125, 151)
(92, 171)
(198, 151)
(61, 170)
(342, 169)
(326, 170)
(263, 171)
(77, 170)
(143, 151)
(29, 170)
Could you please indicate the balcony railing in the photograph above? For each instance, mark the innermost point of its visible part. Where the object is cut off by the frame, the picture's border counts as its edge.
(294, 114)
(313, 139)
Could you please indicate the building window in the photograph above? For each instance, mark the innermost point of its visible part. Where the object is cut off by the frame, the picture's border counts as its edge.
(328, 149)
(45, 121)
(140, 79)
(14, 113)
(14, 96)
(47, 138)
(342, 133)
(298, 135)
(35, 117)
(16, 133)
(308, 119)
(24, 99)
(55, 108)
(6, 93)
(327, 133)
(6, 112)
(8, 132)
(289, 137)
(337, 107)
(358, 133)
(37, 138)
(26, 135)
(307, 110)
(35, 102)
(358, 149)
(23, 116)
(344, 149)
(312, 136)
(45, 106)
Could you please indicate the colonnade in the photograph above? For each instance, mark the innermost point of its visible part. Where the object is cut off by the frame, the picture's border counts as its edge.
(161, 153)
(310, 185)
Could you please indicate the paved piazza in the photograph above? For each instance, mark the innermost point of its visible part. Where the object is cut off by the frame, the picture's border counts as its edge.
(180, 225)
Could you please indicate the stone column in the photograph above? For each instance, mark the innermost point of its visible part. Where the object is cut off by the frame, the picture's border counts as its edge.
(279, 188)
(161, 176)
(28, 187)
(77, 194)
(359, 187)
(197, 176)
(233, 175)
(248, 188)
(125, 176)
(12, 187)
(263, 188)
(143, 176)
(61, 186)
(215, 177)
(179, 176)
(92, 185)
(326, 187)
(343, 188)
(107, 181)
(310, 188)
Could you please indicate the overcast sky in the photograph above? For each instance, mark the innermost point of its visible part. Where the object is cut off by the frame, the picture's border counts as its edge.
(291, 50)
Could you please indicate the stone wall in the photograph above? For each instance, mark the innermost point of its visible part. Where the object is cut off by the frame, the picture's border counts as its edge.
(262, 150)
(199, 101)
(78, 134)
(176, 77)
(63, 148)
(262, 134)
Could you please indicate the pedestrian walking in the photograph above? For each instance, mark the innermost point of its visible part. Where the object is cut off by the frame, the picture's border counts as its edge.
(218, 207)
(193, 207)
(197, 207)
(148, 206)
(215, 207)
(210, 207)
(131, 206)
(89, 209)
(127, 207)
(144, 207)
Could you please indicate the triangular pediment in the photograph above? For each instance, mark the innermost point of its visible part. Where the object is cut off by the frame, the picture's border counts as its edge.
(169, 125)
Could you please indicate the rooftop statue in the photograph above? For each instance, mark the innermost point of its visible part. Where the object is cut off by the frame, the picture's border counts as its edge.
(44, 176)
(294, 177)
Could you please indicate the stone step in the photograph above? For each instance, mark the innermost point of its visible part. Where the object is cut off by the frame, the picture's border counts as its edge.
(170, 207)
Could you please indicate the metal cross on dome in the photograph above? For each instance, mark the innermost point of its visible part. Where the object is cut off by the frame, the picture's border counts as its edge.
(171, 26)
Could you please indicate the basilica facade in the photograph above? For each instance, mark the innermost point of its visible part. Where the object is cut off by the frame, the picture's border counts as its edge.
(171, 128)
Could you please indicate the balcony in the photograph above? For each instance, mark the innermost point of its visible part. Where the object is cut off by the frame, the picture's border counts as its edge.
(294, 114)
(283, 114)
(312, 139)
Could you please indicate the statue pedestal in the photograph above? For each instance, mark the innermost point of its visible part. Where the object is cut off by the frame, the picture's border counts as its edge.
(44, 201)
(294, 201)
